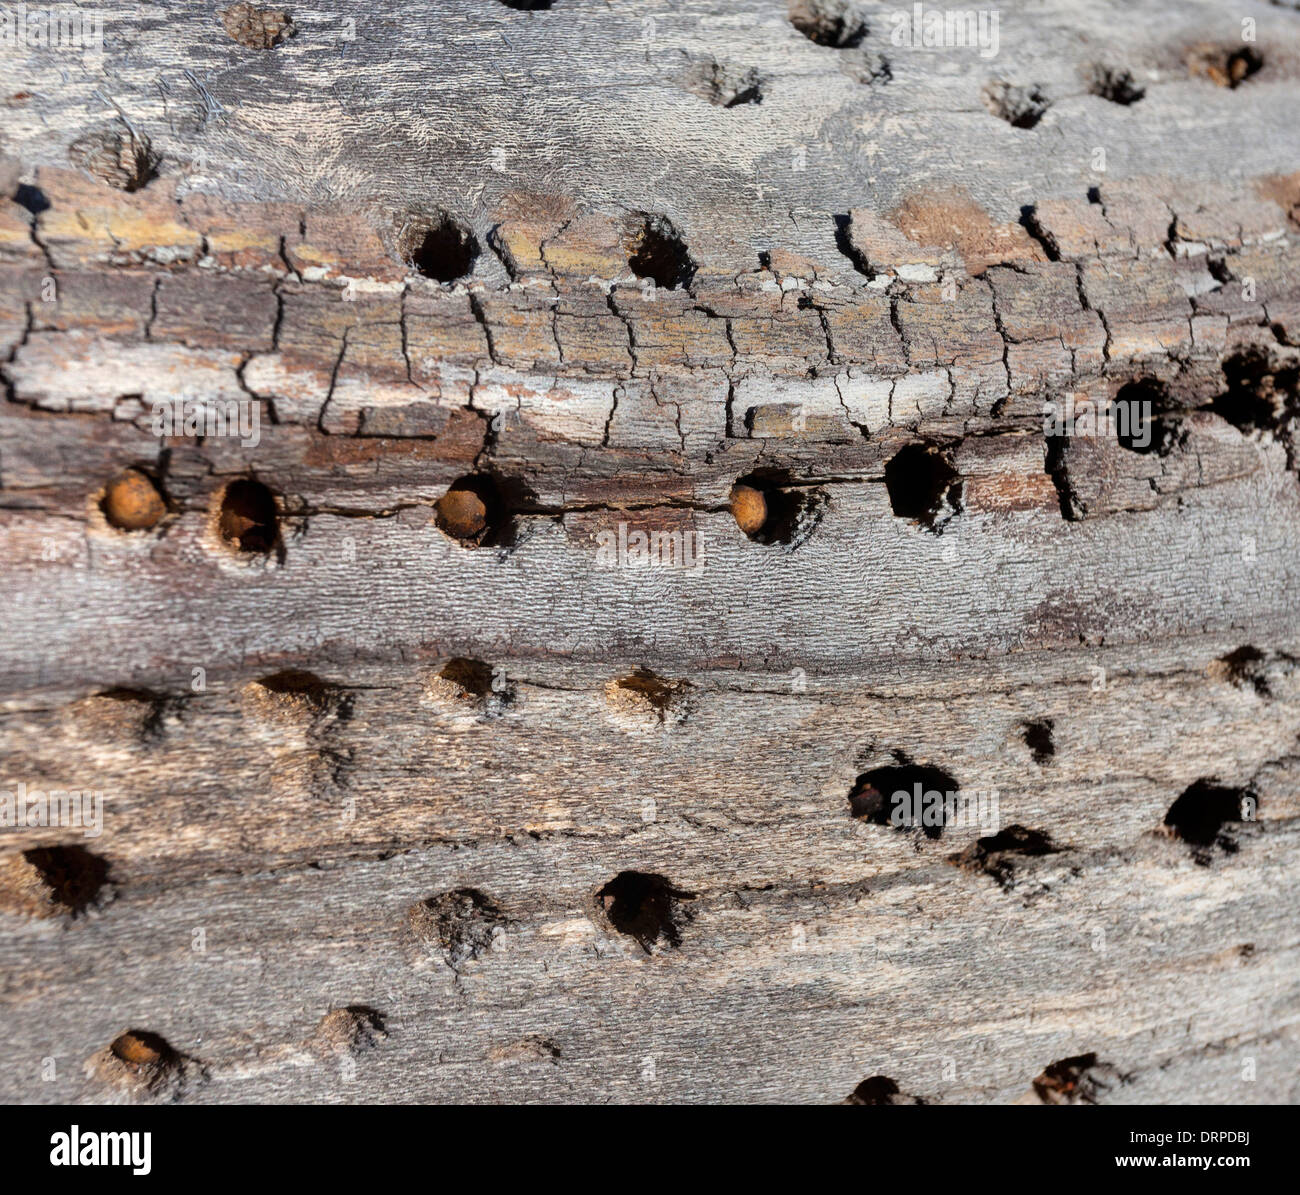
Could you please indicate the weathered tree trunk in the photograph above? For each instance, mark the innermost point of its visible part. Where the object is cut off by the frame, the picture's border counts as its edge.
(498, 502)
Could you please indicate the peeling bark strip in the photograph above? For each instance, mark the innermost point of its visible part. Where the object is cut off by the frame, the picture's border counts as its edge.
(499, 627)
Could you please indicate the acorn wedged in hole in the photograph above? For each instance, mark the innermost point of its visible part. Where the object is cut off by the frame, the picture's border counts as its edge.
(749, 506)
(131, 502)
(470, 511)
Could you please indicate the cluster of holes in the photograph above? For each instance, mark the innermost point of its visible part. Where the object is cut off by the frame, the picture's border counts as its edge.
(924, 485)
(438, 247)
(659, 254)
(645, 906)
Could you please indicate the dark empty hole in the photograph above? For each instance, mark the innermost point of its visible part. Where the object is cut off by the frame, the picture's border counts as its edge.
(1245, 666)
(844, 243)
(473, 677)
(1133, 412)
(1201, 815)
(923, 484)
(474, 512)
(32, 198)
(249, 518)
(72, 876)
(644, 906)
(876, 1090)
(1094, 195)
(1038, 738)
(463, 922)
(1256, 390)
(527, 5)
(659, 253)
(1117, 85)
(140, 1050)
(828, 22)
(442, 250)
(907, 796)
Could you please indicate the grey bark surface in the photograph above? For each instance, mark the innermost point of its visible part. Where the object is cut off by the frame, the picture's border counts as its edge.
(337, 873)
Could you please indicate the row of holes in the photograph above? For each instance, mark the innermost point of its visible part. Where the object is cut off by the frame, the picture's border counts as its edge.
(477, 510)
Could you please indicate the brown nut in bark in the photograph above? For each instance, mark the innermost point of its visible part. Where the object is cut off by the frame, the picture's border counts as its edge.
(462, 513)
(131, 502)
(749, 507)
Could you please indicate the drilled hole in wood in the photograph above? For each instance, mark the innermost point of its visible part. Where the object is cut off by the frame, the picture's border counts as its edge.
(295, 689)
(121, 159)
(659, 253)
(1021, 106)
(996, 855)
(1203, 814)
(1242, 667)
(1134, 411)
(770, 509)
(833, 23)
(138, 1049)
(1038, 738)
(1077, 1080)
(349, 1031)
(1224, 65)
(249, 520)
(132, 501)
(725, 86)
(53, 881)
(1257, 391)
(923, 485)
(645, 906)
(144, 1064)
(438, 247)
(880, 1089)
(473, 511)
(461, 924)
(905, 796)
(1116, 84)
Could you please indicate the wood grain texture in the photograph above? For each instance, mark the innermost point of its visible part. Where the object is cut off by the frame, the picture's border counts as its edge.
(368, 794)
